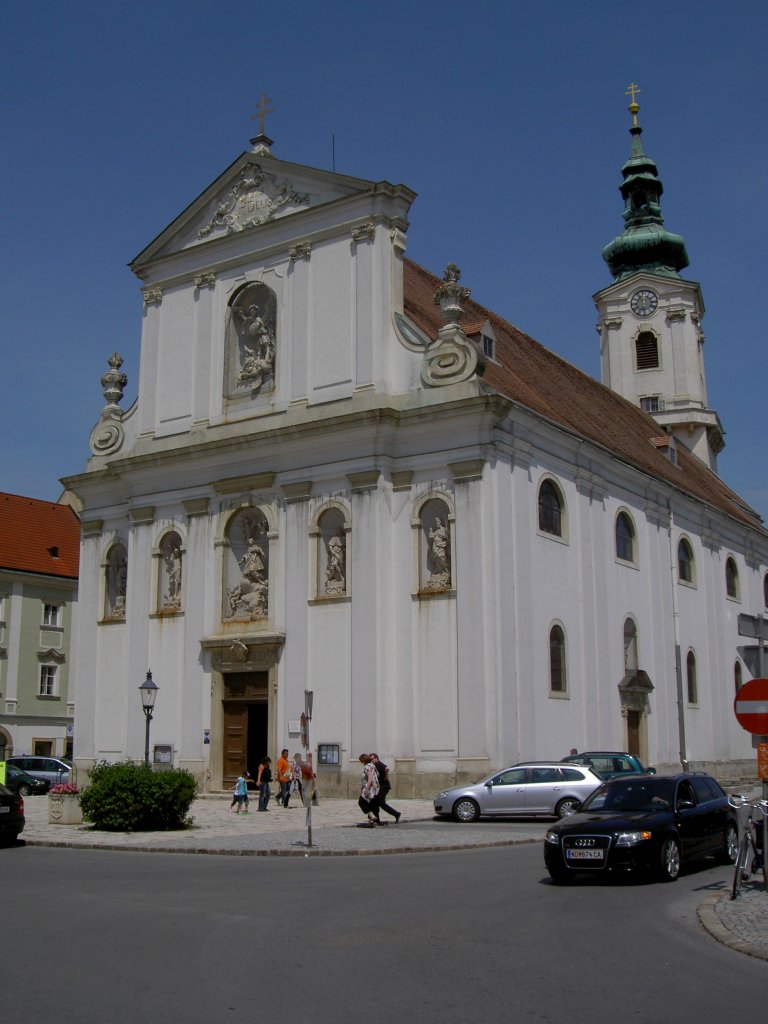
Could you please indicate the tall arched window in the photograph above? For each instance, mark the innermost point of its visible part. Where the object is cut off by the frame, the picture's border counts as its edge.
(558, 679)
(731, 578)
(685, 564)
(690, 672)
(625, 538)
(647, 351)
(630, 646)
(550, 509)
(737, 678)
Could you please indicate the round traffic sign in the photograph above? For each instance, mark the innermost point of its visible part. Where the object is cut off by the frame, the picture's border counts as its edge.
(751, 706)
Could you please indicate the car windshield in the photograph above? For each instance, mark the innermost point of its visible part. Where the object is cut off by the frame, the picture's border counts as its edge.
(639, 794)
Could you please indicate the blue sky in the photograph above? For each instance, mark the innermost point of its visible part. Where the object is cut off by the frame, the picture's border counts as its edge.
(508, 119)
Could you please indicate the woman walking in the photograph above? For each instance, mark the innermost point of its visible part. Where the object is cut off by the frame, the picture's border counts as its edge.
(368, 801)
(263, 779)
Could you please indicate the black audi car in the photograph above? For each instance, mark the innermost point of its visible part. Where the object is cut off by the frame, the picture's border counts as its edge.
(11, 815)
(648, 823)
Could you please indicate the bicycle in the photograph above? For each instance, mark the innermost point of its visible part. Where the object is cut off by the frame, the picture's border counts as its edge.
(750, 856)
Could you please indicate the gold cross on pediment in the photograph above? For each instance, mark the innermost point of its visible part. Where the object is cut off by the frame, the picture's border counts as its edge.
(261, 112)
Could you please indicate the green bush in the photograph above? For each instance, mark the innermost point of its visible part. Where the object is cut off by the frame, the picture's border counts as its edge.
(128, 797)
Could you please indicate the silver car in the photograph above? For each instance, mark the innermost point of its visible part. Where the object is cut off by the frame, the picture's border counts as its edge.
(526, 790)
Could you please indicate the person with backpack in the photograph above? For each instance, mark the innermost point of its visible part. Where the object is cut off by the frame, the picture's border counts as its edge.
(384, 787)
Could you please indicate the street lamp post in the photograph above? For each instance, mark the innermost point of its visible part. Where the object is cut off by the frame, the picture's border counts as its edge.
(148, 691)
(307, 716)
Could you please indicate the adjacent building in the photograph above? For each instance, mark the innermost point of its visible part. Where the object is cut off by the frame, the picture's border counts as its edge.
(342, 474)
(39, 551)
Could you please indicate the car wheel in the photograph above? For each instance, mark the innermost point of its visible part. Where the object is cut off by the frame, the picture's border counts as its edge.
(730, 848)
(671, 860)
(465, 810)
(568, 805)
(25, 789)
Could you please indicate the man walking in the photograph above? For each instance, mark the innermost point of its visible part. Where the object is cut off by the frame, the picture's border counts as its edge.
(284, 777)
(384, 787)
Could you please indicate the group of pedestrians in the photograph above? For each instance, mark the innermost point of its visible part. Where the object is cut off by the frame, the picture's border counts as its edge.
(290, 775)
(374, 790)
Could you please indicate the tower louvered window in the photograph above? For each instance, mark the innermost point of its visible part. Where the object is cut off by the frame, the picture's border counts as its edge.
(647, 348)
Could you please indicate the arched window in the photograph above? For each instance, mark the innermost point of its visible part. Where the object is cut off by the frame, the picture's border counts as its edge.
(690, 672)
(731, 578)
(557, 670)
(685, 564)
(647, 351)
(630, 646)
(737, 679)
(625, 538)
(765, 590)
(550, 509)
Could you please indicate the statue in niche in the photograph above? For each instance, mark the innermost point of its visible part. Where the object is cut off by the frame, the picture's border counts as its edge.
(173, 573)
(335, 580)
(257, 347)
(438, 558)
(249, 595)
(117, 583)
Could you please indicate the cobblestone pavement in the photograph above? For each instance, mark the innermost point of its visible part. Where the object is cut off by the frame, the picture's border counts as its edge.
(741, 924)
(335, 830)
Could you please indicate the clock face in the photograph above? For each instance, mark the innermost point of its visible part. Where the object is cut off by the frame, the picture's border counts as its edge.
(644, 302)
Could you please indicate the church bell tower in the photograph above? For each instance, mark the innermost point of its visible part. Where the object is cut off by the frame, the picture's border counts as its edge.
(649, 318)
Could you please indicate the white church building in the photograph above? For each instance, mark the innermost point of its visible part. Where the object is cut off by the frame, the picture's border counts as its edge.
(341, 474)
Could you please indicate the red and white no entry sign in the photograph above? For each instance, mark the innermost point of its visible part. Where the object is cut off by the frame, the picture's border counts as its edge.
(751, 707)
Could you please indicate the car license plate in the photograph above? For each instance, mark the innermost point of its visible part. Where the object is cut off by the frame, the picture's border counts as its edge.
(5, 810)
(585, 854)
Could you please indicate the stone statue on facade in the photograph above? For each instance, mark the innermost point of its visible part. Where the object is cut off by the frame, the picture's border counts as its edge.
(335, 579)
(257, 347)
(173, 575)
(438, 556)
(117, 584)
(249, 595)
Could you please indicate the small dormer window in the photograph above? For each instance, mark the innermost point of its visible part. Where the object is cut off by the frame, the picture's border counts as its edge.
(488, 346)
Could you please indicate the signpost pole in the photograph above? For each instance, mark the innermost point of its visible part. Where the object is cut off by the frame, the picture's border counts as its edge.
(306, 718)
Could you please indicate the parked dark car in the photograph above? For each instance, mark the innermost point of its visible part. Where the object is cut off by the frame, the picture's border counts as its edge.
(648, 823)
(20, 782)
(11, 815)
(610, 763)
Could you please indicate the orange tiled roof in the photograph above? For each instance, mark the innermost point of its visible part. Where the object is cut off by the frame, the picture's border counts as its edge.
(530, 374)
(38, 536)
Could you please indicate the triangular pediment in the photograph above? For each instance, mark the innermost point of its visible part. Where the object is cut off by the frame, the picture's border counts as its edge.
(256, 190)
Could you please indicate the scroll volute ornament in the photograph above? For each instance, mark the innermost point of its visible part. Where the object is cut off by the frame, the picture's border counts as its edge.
(451, 357)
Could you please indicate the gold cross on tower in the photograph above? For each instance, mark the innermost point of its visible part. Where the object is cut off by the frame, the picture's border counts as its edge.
(634, 106)
(261, 111)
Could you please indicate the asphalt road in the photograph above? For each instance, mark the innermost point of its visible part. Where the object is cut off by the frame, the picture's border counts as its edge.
(481, 935)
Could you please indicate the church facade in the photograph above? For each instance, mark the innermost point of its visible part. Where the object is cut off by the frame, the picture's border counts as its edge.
(341, 474)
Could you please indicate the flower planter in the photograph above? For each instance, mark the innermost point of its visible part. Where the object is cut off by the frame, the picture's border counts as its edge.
(64, 809)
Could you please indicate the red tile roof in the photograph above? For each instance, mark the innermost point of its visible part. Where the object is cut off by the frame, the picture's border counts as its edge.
(541, 381)
(38, 536)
